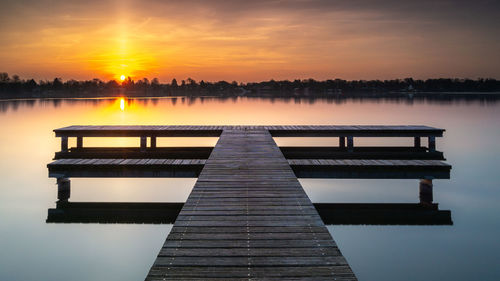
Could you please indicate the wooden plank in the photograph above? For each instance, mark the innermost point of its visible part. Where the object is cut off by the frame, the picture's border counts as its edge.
(253, 252)
(332, 272)
(253, 261)
(365, 162)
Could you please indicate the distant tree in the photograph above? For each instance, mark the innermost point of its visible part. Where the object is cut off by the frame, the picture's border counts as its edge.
(112, 84)
(409, 81)
(16, 79)
(128, 83)
(4, 77)
(155, 84)
(191, 81)
(30, 85)
(57, 84)
(174, 83)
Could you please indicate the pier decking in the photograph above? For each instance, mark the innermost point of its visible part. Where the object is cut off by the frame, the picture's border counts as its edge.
(248, 217)
(245, 183)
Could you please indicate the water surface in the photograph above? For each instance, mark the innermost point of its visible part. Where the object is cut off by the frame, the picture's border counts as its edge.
(32, 249)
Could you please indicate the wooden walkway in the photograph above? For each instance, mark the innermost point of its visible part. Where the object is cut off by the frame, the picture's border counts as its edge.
(248, 218)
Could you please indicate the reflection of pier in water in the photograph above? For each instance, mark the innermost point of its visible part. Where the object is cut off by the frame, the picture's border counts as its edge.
(330, 213)
(247, 215)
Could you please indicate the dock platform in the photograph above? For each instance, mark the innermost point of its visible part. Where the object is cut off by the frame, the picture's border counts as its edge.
(248, 217)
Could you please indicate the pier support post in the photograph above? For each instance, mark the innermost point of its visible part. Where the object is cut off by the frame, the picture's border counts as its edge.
(63, 189)
(144, 143)
(416, 142)
(153, 142)
(425, 192)
(79, 142)
(64, 144)
(350, 144)
(432, 144)
(342, 142)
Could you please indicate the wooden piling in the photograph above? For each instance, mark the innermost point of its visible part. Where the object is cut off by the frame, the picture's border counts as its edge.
(64, 144)
(416, 142)
(350, 143)
(144, 143)
(79, 142)
(342, 142)
(432, 144)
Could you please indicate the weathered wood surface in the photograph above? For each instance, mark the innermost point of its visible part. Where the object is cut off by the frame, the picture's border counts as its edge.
(367, 163)
(247, 171)
(97, 167)
(136, 153)
(370, 168)
(360, 152)
(125, 162)
(303, 168)
(276, 131)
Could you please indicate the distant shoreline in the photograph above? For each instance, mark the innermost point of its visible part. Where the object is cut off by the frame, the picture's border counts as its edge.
(388, 95)
(15, 88)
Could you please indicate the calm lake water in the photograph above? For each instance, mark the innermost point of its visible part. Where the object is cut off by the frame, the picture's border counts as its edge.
(34, 250)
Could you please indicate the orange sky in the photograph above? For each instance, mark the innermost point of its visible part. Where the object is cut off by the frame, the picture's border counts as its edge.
(249, 40)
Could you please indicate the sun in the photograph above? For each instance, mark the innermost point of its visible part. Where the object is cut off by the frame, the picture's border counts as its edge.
(122, 77)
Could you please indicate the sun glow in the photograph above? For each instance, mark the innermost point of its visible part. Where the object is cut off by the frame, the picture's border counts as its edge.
(122, 77)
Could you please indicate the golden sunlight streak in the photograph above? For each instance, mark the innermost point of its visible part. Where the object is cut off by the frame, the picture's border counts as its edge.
(122, 101)
(123, 54)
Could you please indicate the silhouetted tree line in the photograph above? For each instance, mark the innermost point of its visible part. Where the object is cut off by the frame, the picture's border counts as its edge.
(14, 87)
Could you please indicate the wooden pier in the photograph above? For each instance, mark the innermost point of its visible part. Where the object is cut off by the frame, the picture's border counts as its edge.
(248, 217)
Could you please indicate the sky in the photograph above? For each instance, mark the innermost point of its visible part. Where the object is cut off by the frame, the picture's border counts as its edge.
(250, 40)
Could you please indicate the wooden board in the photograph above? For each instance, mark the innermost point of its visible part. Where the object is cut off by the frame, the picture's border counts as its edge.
(370, 168)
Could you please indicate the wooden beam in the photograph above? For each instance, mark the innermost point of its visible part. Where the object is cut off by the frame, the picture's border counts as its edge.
(360, 152)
